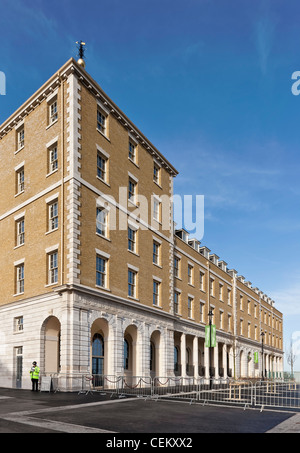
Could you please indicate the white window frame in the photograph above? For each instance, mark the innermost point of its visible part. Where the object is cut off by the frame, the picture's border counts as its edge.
(102, 120)
(53, 267)
(132, 285)
(53, 217)
(20, 230)
(202, 279)
(20, 277)
(53, 112)
(177, 303)
(104, 273)
(21, 138)
(156, 253)
(102, 220)
(156, 294)
(18, 324)
(190, 306)
(20, 179)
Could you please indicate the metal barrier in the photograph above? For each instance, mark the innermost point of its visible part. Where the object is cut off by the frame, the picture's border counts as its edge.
(279, 394)
(138, 386)
(267, 394)
(183, 388)
(229, 392)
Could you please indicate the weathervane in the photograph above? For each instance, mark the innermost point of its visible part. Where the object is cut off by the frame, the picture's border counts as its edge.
(81, 50)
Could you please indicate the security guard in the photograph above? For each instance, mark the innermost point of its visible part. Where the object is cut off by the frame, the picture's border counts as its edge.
(35, 374)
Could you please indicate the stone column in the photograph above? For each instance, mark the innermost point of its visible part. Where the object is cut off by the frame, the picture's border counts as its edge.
(195, 357)
(183, 354)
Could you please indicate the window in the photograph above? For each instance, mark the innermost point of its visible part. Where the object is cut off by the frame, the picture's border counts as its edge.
(131, 240)
(52, 268)
(20, 278)
(132, 151)
(53, 216)
(20, 184)
(202, 277)
(229, 296)
(221, 291)
(190, 307)
(101, 167)
(18, 324)
(97, 357)
(221, 314)
(202, 311)
(241, 326)
(211, 287)
(20, 229)
(101, 271)
(152, 357)
(131, 190)
(20, 138)
(53, 112)
(190, 274)
(249, 330)
(156, 209)
(132, 276)
(176, 267)
(126, 355)
(101, 122)
(176, 359)
(53, 159)
(101, 222)
(156, 291)
(176, 302)
(156, 173)
(249, 307)
(241, 302)
(156, 253)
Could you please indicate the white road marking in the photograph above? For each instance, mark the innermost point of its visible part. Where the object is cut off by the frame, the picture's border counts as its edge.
(54, 425)
(23, 417)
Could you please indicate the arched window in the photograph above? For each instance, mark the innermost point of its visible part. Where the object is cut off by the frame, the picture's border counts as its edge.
(176, 359)
(126, 355)
(97, 354)
(152, 356)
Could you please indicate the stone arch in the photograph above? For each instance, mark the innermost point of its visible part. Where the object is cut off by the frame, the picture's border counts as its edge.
(130, 350)
(100, 347)
(51, 345)
(155, 353)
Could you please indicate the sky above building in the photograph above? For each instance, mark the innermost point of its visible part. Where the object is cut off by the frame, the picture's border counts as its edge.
(209, 83)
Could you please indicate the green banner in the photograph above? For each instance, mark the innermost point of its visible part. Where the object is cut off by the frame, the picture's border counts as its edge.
(210, 337)
(256, 357)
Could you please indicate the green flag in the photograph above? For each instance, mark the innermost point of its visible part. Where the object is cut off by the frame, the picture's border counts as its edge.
(210, 337)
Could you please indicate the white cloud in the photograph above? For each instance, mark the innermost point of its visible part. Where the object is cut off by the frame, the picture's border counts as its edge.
(264, 35)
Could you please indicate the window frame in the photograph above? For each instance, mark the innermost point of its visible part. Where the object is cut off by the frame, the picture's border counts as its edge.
(156, 294)
(20, 234)
(132, 283)
(20, 278)
(103, 222)
(103, 273)
(52, 263)
(53, 217)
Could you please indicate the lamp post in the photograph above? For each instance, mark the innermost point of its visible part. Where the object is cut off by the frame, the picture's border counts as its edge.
(210, 315)
(262, 355)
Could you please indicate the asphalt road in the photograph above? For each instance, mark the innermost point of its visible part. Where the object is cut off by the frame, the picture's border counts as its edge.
(23, 411)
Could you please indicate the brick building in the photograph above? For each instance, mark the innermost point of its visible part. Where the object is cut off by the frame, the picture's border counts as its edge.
(93, 276)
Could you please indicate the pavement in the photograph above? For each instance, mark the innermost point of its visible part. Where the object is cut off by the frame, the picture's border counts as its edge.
(24, 411)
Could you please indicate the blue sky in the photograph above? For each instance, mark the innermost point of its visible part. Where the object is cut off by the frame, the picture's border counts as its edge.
(209, 83)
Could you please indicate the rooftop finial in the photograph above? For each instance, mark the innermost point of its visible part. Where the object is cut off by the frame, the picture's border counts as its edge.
(81, 50)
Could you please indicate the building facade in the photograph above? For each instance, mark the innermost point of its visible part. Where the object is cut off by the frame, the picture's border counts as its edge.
(94, 277)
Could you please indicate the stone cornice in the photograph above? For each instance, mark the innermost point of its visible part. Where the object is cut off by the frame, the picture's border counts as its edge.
(42, 93)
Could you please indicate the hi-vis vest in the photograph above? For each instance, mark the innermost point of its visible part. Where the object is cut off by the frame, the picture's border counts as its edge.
(34, 374)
